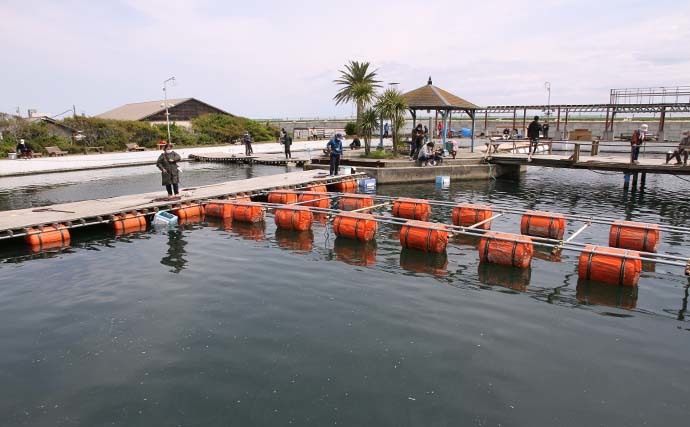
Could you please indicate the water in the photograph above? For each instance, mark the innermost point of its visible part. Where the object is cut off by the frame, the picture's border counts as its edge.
(209, 325)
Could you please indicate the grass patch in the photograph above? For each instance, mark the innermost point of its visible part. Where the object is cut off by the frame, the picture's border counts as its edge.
(378, 155)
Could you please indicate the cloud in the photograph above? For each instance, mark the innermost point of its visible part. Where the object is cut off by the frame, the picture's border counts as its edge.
(272, 59)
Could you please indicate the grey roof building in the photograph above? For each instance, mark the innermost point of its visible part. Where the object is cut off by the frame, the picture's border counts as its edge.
(180, 109)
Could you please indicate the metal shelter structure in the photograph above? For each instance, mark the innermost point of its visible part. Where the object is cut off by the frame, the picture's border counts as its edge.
(610, 109)
(431, 97)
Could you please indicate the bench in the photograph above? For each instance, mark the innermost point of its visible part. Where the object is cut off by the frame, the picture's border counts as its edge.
(134, 147)
(96, 149)
(55, 151)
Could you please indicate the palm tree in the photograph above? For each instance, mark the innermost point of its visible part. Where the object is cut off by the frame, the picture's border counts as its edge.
(370, 121)
(358, 85)
(392, 106)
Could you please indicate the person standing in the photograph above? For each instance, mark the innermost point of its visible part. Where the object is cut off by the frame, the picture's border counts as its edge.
(545, 130)
(170, 172)
(386, 128)
(533, 135)
(418, 137)
(247, 140)
(287, 143)
(426, 135)
(638, 138)
(335, 148)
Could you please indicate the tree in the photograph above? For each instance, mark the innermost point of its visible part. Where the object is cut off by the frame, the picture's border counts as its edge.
(392, 106)
(358, 85)
(370, 121)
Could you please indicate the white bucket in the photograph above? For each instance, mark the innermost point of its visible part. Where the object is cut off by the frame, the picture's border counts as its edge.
(12, 156)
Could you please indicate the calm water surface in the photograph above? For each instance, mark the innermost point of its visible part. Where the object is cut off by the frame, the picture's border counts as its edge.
(214, 325)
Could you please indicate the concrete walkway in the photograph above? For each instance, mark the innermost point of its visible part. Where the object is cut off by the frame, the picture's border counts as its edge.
(138, 158)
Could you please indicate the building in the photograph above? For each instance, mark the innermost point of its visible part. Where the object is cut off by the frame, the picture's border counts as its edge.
(181, 111)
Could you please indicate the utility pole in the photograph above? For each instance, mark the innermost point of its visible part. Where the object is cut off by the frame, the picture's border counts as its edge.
(165, 95)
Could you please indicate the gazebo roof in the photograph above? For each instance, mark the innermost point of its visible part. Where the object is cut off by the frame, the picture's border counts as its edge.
(430, 97)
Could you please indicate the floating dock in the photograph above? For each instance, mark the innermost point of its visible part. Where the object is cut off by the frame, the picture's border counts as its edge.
(263, 159)
(101, 211)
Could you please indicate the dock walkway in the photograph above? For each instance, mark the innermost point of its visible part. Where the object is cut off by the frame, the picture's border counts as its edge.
(258, 159)
(99, 211)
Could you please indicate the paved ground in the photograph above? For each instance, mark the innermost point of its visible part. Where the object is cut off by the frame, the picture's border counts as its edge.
(107, 160)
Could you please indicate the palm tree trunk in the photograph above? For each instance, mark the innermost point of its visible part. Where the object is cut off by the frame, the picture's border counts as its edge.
(360, 108)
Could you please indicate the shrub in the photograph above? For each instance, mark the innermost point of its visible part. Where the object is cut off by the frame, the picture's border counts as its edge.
(351, 128)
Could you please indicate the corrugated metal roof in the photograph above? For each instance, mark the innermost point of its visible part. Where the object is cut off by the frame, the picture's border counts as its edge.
(432, 97)
(140, 110)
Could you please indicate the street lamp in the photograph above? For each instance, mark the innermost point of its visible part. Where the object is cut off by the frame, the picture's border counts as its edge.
(165, 96)
(547, 86)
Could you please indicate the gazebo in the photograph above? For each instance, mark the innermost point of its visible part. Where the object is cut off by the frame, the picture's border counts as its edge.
(431, 97)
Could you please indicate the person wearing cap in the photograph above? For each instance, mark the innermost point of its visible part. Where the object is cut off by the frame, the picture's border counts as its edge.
(170, 173)
(638, 137)
(247, 141)
(335, 148)
(683, 148)
(533, 135)
(24, 150)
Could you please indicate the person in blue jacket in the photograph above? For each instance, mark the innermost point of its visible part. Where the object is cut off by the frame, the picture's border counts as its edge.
(335, 148)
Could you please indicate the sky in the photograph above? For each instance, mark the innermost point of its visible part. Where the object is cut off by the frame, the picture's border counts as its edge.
(278, 59)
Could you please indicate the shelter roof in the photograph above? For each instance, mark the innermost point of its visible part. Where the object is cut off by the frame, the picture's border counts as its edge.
(430, 97)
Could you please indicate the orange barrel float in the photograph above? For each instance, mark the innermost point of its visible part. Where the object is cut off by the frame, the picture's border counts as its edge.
(128, 223)
(296, 218)
(467, 214)
(412, 209)
(219, 209)
(187, 212)
(355, 201)
(344, 186)
(543, 224)
(314, 199)
(283, 197)
(637, 236)
(50, 237)
(248, 212)
(317, 188)
(355, 226)
(424, 236)
(609, 265)
(506, 249)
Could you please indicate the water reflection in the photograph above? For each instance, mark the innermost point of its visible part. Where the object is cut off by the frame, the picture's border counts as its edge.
(593, 293)
(354, 252)
(174, 257)
(507, 277)
(423, 262)
(249, 231)
(295, 240)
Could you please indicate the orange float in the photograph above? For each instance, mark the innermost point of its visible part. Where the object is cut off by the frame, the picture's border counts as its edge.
(283, 197)
(355, 226)
(355, 201)
(219, 210)
(424, 236)
(344, 186)
(50, 237)
(296, 218)
(128, 223)
(515, 252)
(187, 212)
(543, 224)
(609, 265)
(637, 236)
(317, 188)
(248, 212)
(314, 199)
(467, 214)
(412, 209)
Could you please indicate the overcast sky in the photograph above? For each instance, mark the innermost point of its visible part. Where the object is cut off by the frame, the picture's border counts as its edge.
(278, 59)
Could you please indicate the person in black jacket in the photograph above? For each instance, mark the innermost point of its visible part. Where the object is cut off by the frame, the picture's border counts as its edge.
(533, 135)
